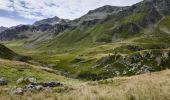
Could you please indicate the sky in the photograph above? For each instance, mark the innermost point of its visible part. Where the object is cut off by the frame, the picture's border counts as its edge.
(15, 12)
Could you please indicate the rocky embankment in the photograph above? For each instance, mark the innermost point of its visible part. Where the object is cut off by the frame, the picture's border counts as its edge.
(135, 63)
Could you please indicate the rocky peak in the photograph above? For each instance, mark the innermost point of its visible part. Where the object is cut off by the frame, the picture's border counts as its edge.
(98, 14)
(51, 21)
(106, 9)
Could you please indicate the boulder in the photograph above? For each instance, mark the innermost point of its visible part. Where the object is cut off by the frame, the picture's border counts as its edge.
(51, 84)
(39, 87)
(3, 81)
(18, 91)
(33, 87)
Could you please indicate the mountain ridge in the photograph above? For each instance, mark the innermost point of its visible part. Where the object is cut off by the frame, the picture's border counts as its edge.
(60, 24)
(53, 26)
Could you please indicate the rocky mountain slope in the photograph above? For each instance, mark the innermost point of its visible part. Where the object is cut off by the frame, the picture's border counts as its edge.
(130, 22)
(118, 22)
(2, 28)
(48, 28)
(51, 21)
(98, 14)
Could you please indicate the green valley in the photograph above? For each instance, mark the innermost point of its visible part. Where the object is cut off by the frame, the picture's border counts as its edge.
(110, 53)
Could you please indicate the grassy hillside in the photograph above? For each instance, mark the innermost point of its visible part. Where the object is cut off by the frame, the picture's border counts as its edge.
(6, 53)
(165, 22)
(151, 86)
(14, 70)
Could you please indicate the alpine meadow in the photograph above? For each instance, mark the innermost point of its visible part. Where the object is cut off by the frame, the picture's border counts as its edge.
(110, 53)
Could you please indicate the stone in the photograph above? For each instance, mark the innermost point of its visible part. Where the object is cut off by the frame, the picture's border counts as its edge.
(165, 55)
(158, 61)
(33, 87)
(3, 81)
(39, 87)
(52, 84)
(18, 91)
(29, 87)
(36, 87)
(20, 80)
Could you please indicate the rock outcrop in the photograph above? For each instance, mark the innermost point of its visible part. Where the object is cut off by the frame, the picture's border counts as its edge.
(30, 84)
(3, 81)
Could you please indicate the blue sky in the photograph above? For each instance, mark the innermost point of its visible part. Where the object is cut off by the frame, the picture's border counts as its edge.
(15, 12)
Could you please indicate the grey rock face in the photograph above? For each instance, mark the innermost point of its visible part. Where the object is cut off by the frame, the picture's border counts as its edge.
(3, 81)
(32, 32)
(51, 21)
(98, 14)
(107, 9)
(3, 28)
(13, 33)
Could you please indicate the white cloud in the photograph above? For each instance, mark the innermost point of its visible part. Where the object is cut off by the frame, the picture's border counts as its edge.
(6, 5)
(69, 9)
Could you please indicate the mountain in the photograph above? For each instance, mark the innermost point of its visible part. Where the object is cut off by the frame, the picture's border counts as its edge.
(124, 21)
(130, 22)
(51, 21)
(2, 28)
(98, 14)
(48, 28)
(33, 33)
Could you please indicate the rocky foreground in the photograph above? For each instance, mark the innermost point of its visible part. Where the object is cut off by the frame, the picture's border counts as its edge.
(26, 84)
